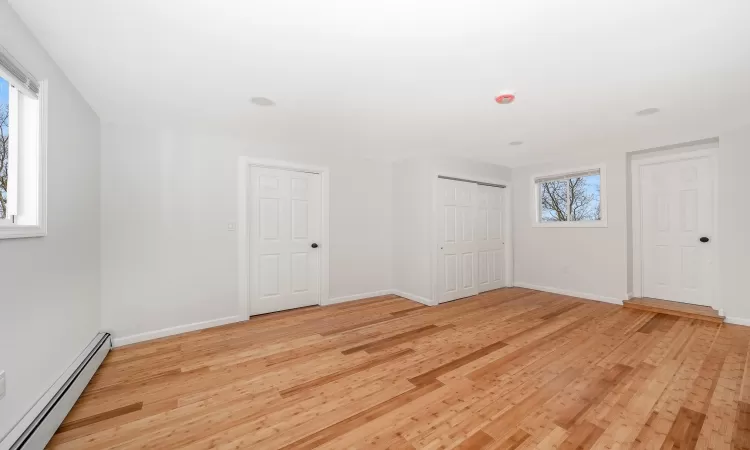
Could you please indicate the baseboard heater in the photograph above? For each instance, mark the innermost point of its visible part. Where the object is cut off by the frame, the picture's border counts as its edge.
(39, 425)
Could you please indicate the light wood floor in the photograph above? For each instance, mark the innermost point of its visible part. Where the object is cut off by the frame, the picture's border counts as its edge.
(509, 369)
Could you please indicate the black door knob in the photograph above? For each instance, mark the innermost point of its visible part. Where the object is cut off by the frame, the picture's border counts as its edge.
(704, 239)
(314, 245)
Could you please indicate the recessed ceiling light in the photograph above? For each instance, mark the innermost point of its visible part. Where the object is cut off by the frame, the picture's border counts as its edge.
(647, 112)
(262, 101)
(515, 143)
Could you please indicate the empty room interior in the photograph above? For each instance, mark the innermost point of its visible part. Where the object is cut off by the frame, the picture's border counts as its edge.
(395, 224)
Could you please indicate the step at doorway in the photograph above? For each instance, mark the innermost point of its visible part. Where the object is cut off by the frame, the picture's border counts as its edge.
(674, 309)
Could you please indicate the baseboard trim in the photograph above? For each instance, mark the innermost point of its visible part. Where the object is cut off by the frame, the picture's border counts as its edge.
(414, 298)
(737, 321)
(39, 424)
(351, 298)
(164, 332)
(553, 290)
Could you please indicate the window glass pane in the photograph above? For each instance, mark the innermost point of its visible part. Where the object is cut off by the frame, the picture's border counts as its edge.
(4, 145)
(585, 197)
(553, 197)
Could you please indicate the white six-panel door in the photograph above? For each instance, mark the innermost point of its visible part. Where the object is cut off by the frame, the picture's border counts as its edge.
(677, 211)
(285, 222)
(490, 239)
(457, 250)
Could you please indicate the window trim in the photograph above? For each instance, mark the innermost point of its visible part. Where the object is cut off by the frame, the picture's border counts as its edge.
(564, 174)
(15, 231)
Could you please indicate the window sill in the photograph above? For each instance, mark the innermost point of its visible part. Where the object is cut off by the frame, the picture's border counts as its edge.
(21, 231)
(580, 224)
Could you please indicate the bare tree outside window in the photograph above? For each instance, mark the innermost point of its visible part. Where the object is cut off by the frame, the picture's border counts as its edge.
(554, 199)
(572, 199)
(4, 146)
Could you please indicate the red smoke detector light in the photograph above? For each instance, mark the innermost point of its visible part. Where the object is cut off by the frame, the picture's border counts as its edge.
(505, 99)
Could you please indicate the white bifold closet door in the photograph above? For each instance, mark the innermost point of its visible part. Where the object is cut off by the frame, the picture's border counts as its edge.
(490, 238)
(285, 230)
(471, 247)
(457, 249)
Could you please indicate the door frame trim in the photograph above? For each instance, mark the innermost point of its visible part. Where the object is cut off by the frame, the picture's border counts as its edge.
(243, 229)
(636, 214)
(507, 224)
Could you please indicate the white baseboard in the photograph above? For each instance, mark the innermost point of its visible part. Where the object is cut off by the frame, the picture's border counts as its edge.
(599, 298)
(630, 295)
(415, 298)
(164, 332)
(737, 321)
(351, 298)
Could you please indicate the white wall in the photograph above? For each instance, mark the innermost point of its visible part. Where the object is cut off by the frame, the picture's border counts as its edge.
(734, 223)
(49, 287)
(413, 215)
(591, 262)
(412, 224)
(168, 259)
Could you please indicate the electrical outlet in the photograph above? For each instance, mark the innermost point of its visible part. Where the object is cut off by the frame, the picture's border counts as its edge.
(2, 384)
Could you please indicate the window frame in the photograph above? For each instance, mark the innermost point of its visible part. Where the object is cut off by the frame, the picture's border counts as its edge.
(536, 206)
(9, 229)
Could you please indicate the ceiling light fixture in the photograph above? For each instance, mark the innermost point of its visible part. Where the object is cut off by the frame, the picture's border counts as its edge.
(262, 101)
(647, 112)
(515, 142)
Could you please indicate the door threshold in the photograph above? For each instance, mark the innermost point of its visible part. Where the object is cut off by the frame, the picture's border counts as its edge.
(674, 309)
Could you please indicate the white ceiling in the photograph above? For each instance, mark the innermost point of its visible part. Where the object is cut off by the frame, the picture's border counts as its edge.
(394, 78)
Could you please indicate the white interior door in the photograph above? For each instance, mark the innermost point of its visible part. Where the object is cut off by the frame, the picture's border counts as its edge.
(490, 238)
(677, 214)
(285, 230)
(457, 250)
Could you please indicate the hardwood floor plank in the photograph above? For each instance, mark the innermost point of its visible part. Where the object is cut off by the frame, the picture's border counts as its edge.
(476, 441)
(501, 365)
(358, 419)
(514, 441)
(73, 424)
(594, 394)
(582, 437)
(149, 409)
(400, 338)
(429, 377)
(708, 376)
(510, 419)
(741, 435)
(506, 369)
(408, 311)
(685, 430)
(660, 322)
(561, 310)
(344, 373)
(357, 326)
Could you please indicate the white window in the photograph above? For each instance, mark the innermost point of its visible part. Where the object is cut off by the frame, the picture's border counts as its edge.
(573, 198)
(22, 152)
